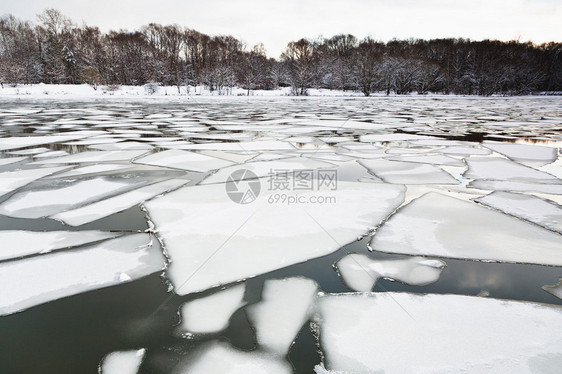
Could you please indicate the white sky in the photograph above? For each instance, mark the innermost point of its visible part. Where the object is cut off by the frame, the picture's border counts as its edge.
(275, 23)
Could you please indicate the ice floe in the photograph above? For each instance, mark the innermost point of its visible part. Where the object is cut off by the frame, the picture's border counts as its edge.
(43, 203)
(408, 172)
(430, 159)
(104, 208)
(30, 141)
(268, 168)
(211, 314)
(93, 169)
(495, 168)
(122, 362)
(361, 273)
(555, 289)
(18, 243)
(269, 145)
(443, 226)
(409, 333)
(11, 160)
(220, 357)
(524, 153)
(94, 156)
(285, 306)
(178, 159)
(208, 236)
(36, 280)
(516, 186)
(528, 207)
(12, 180)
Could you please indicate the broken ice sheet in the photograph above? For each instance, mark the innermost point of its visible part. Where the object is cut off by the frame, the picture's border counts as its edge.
(12, 180)
(11, 160)
(18, 243)
(370, 333)
(516, 186)
(94, 156)
(209, 237)
(555, 289)
(30, 141)
(495, 168)
(443, 226)
(43, 203)
(104, 208)
(528, 207)
(220, 357)
(528, 154)
(211, 314)
(265, 168)
(122, 362)
(269, 145)
(361, 273)
(36, 280)
(430, 159)
(184, 160)
(285, 306)
(408, 172)
(94, 169)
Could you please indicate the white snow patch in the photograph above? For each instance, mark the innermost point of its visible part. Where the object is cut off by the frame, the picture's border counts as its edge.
(18, 243)
(93, 169)
(212, 241)
(220, 357)
(43, 203)
(555, 289)
(410, 333)
(408, 172)
(495, 168)
(12, 180)
(11, 160)
(184, 160)
(211, 314)
(439, 225)
(104, 208)
(268, 168)
(524, 153)
(430, 159)
(94, 156)
(528, 207)
(361, 273)
(285, 306)
(33, 281)
(122, 362)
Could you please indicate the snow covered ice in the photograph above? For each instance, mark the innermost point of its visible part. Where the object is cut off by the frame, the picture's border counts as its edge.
(285, 306)
(125, 362)
(40, 279)
(555, 289)
(210, 314)
(443, 226)
(361, 273)
(19, 243)
(369, 333)
(528, 207)
(196, 221)
(117, 225)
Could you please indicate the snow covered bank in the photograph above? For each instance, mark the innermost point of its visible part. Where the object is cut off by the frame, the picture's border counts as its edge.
(86, 91)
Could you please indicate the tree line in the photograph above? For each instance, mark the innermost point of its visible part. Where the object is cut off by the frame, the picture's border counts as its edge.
(58, 51)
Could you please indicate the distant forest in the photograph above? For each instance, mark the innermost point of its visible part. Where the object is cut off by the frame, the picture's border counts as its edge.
(59, 51)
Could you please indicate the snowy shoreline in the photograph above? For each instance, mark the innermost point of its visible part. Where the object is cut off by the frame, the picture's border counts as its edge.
(74, 91)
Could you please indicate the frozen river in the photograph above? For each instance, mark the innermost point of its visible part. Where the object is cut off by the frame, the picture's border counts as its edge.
(279, 235)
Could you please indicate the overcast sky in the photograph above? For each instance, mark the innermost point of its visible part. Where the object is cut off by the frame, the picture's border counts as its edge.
(277, 22)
